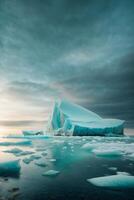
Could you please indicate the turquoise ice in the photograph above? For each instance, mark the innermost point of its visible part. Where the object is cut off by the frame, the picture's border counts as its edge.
(10, 168)
(71, 119)
(119, 181)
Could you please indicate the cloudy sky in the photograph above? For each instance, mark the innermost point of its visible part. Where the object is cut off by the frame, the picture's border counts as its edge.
(80, 50)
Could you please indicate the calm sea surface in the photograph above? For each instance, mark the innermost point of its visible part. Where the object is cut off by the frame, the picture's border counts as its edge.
(75, 159)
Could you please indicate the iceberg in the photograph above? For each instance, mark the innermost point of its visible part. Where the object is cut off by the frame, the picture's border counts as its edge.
(73, 120)
(10, 168)
(119, 181)
(32, 132)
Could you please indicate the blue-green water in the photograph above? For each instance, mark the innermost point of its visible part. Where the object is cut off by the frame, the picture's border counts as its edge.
(75, 158)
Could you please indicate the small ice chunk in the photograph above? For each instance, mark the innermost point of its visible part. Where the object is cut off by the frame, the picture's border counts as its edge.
(89, 146)
(31, 158)
(114, 181)
(113, 168)
(57, 141)
(65, 147)
(14, 151)
(24, 153)
(41, 163)
(44, 153)
(35, 157)
(52, 160)
(107, 153)
(16, 143)
(32, 132)
(18, 152)
(10, 168)
(27, 160)
(83, 139)
(123, 173)
(41, 149)
(130, 156)
(51, 173)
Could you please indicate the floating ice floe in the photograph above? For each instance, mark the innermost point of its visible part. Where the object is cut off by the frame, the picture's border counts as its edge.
(65, 147)
(131, 156)
(51, 173)
(41, 163)
(14, 151)
(57, 141)
(114, 181)
(52, 160)
(35, 157)
(10, 168)
(124, 173)
(24, 153)
(107, 153)
(27, 160)
(18, 152)
(31, 158)
(16, 143)
(71, 119)
(44, 153)
(113, 168)
(32, 132)
(89, 146)
(41, 149)
(109, 147)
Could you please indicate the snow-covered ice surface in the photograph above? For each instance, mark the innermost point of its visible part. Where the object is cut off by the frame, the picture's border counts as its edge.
(67, 168)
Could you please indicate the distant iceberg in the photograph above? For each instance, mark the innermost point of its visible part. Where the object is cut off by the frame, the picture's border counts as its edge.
(32, 132)
(71, 119)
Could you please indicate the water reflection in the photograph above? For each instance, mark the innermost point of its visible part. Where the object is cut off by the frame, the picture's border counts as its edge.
(75, 164)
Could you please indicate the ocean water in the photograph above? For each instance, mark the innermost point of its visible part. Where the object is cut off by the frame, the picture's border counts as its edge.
(72, 160)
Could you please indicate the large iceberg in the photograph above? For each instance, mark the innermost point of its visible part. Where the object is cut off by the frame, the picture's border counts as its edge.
(71, 119)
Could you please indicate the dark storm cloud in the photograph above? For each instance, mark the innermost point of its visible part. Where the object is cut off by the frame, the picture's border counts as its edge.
(111, 92)
(74, 49)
